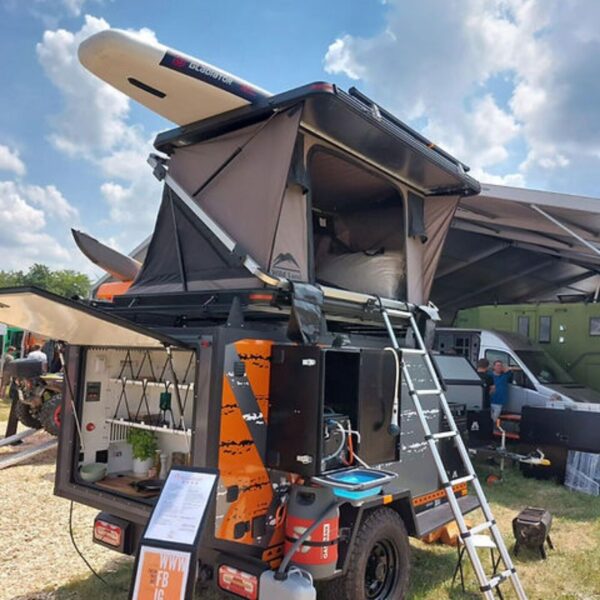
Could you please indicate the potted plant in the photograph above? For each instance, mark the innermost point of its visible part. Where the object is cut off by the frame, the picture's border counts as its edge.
(144, 446)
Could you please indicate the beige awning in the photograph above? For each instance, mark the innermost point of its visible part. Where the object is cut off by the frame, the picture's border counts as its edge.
(73, 322)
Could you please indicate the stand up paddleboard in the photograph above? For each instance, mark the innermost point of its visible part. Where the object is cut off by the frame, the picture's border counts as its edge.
(121, 267)
(181, 88)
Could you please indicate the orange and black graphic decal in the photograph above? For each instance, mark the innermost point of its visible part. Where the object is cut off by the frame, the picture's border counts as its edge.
(246, 496)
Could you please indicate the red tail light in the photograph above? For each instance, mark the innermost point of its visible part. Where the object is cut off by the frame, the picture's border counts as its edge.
(238, 582)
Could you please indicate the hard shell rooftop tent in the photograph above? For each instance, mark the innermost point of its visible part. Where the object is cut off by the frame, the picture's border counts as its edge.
(313, 185)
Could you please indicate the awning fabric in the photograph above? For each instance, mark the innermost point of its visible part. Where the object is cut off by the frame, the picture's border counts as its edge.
(500, 249)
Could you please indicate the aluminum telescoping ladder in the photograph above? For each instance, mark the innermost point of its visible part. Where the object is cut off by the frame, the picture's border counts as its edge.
(488, 586)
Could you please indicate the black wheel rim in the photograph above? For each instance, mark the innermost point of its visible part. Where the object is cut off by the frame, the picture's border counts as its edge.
(381, 572)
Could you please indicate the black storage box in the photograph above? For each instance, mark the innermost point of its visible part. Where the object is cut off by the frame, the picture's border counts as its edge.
(308, 386)
(565, 428)
(25, 368)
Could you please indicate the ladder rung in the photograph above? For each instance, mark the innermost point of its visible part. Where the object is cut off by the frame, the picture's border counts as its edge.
(495, 581)
(479, 528)
(460, 480)
(434, 392)
(413, 351)
(442, 435)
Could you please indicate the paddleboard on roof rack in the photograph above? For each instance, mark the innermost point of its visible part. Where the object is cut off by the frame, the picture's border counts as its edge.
(179, 87)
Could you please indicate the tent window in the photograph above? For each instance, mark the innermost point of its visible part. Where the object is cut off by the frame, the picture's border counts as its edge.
(358, 226)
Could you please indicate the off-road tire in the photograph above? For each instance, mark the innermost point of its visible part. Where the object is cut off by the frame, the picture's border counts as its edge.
(26, 417)
(49, 414)
(381, 528)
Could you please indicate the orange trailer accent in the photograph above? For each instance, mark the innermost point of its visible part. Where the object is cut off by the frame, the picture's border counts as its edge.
(107, 291)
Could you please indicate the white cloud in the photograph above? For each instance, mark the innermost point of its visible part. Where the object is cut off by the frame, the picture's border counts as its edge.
(95, 126)
(94, 115)
(51, 201)
(486, 76)
(339, 59)
(32, 224)
(11, 161)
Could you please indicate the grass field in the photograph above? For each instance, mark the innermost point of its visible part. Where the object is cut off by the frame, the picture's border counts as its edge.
(39, 552)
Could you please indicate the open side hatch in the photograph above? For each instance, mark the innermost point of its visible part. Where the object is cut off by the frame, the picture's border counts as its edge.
(73, 321)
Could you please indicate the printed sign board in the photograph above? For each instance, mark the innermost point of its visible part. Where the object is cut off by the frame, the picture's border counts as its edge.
(165, 567)
(161, 574)
(181, 507)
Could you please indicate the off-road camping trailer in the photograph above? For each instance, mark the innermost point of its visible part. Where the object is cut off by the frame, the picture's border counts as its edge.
(275, 333)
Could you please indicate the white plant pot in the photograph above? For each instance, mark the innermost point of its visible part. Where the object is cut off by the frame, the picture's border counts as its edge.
(140, 467)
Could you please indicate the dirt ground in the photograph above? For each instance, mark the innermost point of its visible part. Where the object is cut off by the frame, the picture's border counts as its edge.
(36, 552)
(38, 561)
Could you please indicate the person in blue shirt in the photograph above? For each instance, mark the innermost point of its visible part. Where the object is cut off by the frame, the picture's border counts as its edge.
(502, 377)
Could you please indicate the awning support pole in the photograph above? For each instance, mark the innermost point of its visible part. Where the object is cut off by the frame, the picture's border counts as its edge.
(597, 292)
(565, 228)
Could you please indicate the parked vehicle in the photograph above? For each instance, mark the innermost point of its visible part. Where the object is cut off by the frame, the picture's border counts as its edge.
(546, 411)
(568, 331)
(538, 379)
(38, 394)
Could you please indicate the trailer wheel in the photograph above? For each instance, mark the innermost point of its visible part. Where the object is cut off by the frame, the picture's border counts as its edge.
(25, 416)
(50, 414)
(379, 562)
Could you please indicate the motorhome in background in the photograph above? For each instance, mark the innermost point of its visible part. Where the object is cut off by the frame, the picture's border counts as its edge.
(569, 332)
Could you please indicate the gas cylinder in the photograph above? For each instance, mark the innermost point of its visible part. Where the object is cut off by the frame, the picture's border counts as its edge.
(319, 553)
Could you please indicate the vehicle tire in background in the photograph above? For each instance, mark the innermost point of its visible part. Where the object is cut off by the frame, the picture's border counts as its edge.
(49, 414)
(28, 418)
(379, 565)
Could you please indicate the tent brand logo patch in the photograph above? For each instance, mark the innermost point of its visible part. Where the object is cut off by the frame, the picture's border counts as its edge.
(285, 265)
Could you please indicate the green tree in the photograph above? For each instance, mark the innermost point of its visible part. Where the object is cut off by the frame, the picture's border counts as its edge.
(64, 282)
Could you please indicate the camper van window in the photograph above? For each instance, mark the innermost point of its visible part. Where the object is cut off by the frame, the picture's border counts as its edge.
(358, 226)
(507, 359)
(523, 326)
(545, 330)
(544, 367)
(595, 326)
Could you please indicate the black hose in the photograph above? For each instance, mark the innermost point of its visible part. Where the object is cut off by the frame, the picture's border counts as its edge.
(290, 553)
(83, 558)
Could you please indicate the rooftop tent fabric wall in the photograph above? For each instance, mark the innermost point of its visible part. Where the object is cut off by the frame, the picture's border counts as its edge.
(245, 198)
(181, 256)
(241, 177)
(438, 214)
(289, 258)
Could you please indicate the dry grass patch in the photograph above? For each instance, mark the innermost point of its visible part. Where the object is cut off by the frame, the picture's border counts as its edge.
(38, 562)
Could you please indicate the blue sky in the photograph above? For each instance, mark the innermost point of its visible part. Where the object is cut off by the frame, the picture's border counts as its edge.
(510, 86)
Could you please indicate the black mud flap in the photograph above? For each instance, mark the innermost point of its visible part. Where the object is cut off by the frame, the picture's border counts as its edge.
(306, 319)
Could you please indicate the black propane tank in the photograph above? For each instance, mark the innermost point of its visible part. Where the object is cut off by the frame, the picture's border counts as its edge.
(319, 553)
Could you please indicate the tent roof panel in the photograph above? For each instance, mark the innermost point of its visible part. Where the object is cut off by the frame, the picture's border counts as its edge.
(369, 132)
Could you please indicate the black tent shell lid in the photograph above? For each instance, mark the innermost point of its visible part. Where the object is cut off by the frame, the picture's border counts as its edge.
(76, 322)
(353, 122)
